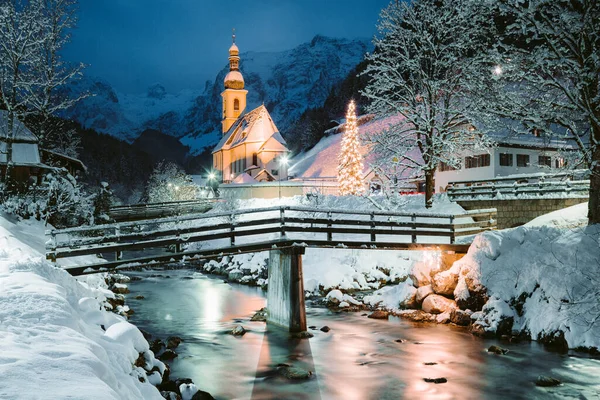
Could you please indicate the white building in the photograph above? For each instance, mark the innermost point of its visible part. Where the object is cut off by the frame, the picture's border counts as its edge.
(513, 154)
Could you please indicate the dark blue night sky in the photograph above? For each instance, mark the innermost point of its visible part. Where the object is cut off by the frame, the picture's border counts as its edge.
(182, 43)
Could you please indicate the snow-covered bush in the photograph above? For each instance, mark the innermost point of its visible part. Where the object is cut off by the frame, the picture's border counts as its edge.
(168, 182)
(102, 203)
(59, 200)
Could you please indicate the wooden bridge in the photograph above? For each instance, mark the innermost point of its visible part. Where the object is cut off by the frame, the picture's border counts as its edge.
(283, 231)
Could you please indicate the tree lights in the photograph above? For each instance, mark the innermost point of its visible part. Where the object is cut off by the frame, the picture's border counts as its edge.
(350, 168)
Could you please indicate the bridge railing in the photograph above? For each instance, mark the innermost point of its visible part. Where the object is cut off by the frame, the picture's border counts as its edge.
(157, 210)
(266, 225)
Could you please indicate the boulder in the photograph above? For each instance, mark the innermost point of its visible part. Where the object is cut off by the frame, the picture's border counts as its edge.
(325, 329)
(423, 292)
(497, 350)
(436, 304)
(261, 315)
(170, 395)
(202, 395)
(238, 331)
(546, 381)
(445, 282)
(173, 342)
(379, 314)
(460, 318)
(435, 380)
(443, 318)
(294, 373)
(420, 274)
(167, 355)
(301, 335)
(417, 316)
(411, 300)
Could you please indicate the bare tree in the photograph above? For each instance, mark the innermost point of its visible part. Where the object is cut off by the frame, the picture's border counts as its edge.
(423, 72)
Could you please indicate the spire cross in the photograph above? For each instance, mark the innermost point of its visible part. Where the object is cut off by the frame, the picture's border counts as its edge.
(233, 35)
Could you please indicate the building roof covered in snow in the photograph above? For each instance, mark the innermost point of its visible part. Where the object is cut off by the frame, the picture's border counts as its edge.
(254, 126)
(20, 132)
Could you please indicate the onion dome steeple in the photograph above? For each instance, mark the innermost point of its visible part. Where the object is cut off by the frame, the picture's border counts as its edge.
(234, 78)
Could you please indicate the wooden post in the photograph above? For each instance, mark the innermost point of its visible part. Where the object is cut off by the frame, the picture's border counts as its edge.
(329, 226)
(413, 219)
(232, 230)
(53, 255)
(282, 221)
(372, 227)
(285, 294)
(453, 230)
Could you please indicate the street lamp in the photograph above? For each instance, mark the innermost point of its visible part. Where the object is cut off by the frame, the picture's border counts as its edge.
(283, 161)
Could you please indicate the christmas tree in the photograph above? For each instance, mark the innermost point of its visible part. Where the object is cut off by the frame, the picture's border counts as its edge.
(350, 168)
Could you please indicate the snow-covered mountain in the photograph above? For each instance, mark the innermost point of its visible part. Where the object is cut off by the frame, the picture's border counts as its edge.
(287, 82)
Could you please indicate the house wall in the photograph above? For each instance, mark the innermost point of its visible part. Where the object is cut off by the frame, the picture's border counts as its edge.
(262, 190)
(495, 169)
(270, 161)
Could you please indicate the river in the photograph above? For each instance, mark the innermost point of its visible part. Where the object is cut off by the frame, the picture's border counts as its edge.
(359, 358)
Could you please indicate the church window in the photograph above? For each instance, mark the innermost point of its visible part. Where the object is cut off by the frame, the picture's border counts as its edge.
(255, 159)
(236, 105)
(275, 172)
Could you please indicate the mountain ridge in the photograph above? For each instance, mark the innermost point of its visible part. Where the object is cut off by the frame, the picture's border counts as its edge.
(288, 83)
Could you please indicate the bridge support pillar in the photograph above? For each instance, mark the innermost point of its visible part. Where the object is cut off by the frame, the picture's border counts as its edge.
(285, 294)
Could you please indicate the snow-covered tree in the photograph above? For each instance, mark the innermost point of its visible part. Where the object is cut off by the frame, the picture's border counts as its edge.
(19, 41)
(423, 74)
(168, 182)
(46, 96)
(350, 168)
(549, 64)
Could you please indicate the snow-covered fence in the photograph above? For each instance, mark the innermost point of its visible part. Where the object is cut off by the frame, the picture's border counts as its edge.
(136, 212)
(262, 228)
(566, 184)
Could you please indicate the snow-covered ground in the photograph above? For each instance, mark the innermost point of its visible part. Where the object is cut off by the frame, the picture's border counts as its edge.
(544, 275)
(56, 339)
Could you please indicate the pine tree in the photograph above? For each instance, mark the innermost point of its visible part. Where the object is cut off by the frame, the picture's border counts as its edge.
(350, 169)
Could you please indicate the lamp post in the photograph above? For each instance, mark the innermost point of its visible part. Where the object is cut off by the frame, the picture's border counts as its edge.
(212, 177)
(283, 161)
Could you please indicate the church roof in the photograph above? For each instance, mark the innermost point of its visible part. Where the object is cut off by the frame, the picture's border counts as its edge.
(254, 126)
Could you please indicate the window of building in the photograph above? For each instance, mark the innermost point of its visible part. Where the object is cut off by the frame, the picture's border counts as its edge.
(560, 162)
(522, 160)
(481, 160)
(275, 172)
(255, 159)
(506, 160)
(236, 105)
(445, 167)
(544, 161)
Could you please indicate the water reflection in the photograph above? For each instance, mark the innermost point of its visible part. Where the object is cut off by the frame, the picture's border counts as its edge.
(359, 358)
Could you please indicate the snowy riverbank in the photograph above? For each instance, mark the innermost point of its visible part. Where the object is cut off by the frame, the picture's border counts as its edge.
(57, 340)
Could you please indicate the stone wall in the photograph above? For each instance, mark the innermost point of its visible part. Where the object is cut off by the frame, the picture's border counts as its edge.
(517, 212)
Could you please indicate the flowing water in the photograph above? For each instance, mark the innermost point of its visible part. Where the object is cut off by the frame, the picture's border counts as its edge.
(359, 358)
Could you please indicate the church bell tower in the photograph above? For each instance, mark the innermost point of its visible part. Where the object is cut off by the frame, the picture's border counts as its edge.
(234, 95)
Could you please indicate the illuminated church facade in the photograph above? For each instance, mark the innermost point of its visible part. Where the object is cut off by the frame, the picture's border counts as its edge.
(251, 148)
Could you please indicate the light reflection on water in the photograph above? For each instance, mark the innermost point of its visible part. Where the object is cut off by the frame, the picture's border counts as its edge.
(358, 359)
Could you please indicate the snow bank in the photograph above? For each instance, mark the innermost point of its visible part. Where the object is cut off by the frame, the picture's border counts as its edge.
(544, 276)
(53, 343)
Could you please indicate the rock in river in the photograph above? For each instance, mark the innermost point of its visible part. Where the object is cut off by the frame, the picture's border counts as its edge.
(436, 304)
(238, 331)
(379, 314)
(546, 381)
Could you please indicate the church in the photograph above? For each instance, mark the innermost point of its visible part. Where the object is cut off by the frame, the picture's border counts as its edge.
(251, 148)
